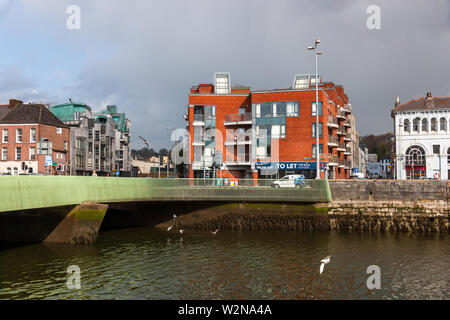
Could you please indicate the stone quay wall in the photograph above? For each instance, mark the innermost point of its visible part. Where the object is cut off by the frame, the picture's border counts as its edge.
(389, 205)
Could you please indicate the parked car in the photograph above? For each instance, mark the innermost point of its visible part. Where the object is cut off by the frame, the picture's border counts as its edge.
(358, 175)
(291, 181)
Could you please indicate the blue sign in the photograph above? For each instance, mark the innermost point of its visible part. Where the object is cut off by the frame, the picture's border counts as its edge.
(355, 170)
(289, 165)
(48, 161)
(117, 173)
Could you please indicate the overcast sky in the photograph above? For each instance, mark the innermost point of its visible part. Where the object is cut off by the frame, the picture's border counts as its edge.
(144, 55)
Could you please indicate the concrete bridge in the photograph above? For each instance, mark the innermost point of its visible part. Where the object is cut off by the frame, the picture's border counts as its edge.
(72, 209)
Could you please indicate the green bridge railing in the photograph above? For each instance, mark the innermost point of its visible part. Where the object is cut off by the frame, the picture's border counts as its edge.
(28, 192)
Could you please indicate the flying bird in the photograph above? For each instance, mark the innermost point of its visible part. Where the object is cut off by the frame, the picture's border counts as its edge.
(324, 262)
(169, 228)
(214, 232)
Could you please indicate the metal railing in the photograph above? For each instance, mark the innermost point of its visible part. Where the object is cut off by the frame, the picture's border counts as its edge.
(238, 117)
(333, 139)
(332, 120)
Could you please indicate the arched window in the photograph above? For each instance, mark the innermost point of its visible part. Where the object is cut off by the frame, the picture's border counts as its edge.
(406, 125)
(433, 125)
(443, 124)
(415, 162)
(416, 124)
(415, 155)
(424, 125)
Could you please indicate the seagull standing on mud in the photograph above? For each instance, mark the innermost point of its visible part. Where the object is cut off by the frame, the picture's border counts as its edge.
(214, 232)
(169, 228)
(181, 231)
(324, 262)
(174, 216)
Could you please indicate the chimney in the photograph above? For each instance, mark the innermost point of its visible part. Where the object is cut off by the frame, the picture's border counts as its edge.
(429, 103)
(397, 101)
(14, 103)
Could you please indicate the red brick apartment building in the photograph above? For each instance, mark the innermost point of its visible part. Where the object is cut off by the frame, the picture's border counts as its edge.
(240, 133)
(33, 140)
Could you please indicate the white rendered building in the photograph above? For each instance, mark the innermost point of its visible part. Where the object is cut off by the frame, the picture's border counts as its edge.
(422, 138)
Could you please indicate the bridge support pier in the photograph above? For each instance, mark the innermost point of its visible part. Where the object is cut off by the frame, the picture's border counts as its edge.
(81, 225)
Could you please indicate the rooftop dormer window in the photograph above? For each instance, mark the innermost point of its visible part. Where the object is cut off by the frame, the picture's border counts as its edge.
(301, 81)
(222, 83)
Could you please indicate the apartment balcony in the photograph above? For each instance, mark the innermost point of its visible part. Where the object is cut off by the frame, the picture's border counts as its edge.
(332, 122)
(347, 123)
(341, 163)
(238, 119)
(341, 114)
(347, 151)
(348, 138)
(332, 160)
(341, 147)
(240, 160)
(199, 120)
(342, 131)
(347, 109)
(237, 141)
(333, 141)
(348, 164)
(198, 140)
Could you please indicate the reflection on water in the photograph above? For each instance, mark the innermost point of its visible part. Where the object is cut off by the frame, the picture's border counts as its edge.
(148, 263)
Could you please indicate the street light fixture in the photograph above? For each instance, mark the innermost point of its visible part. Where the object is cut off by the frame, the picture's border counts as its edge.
(317, 53)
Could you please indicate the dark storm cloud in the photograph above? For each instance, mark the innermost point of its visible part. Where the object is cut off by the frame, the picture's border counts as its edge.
(145, 55)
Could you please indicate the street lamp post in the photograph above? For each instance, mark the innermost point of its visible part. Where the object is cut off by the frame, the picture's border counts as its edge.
(316, 53)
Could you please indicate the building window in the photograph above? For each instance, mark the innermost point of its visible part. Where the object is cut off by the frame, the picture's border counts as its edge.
(33, 135)
(18, 135)
(4, 154)
(436, 149)
(278, 131)
(18, 153)
(292, 109)
(433, 125)
(5, 135)
(314, 130)
(416, 123)
(424, 125)
(32, 153)
(59, 130)
(443, 124)
(406, 125)
(313, 108)
(314, 149)
(16, 171)
(65, 145)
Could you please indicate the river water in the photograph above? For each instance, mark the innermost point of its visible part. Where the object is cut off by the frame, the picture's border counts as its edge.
(147, 263)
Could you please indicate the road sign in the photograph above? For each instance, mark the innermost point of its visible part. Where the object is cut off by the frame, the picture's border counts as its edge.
(55, 164)
(48, 161)
(117, 173)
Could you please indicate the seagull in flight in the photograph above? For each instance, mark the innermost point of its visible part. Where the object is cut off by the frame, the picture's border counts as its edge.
(214, 232)
(169, 228)
(324, 262)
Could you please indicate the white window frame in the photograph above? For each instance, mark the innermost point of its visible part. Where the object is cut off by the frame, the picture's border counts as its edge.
(4, 154)
(17, 135)
(5, 135)
(31, 134)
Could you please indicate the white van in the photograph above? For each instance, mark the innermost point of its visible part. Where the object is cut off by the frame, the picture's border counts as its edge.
(288, 181)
